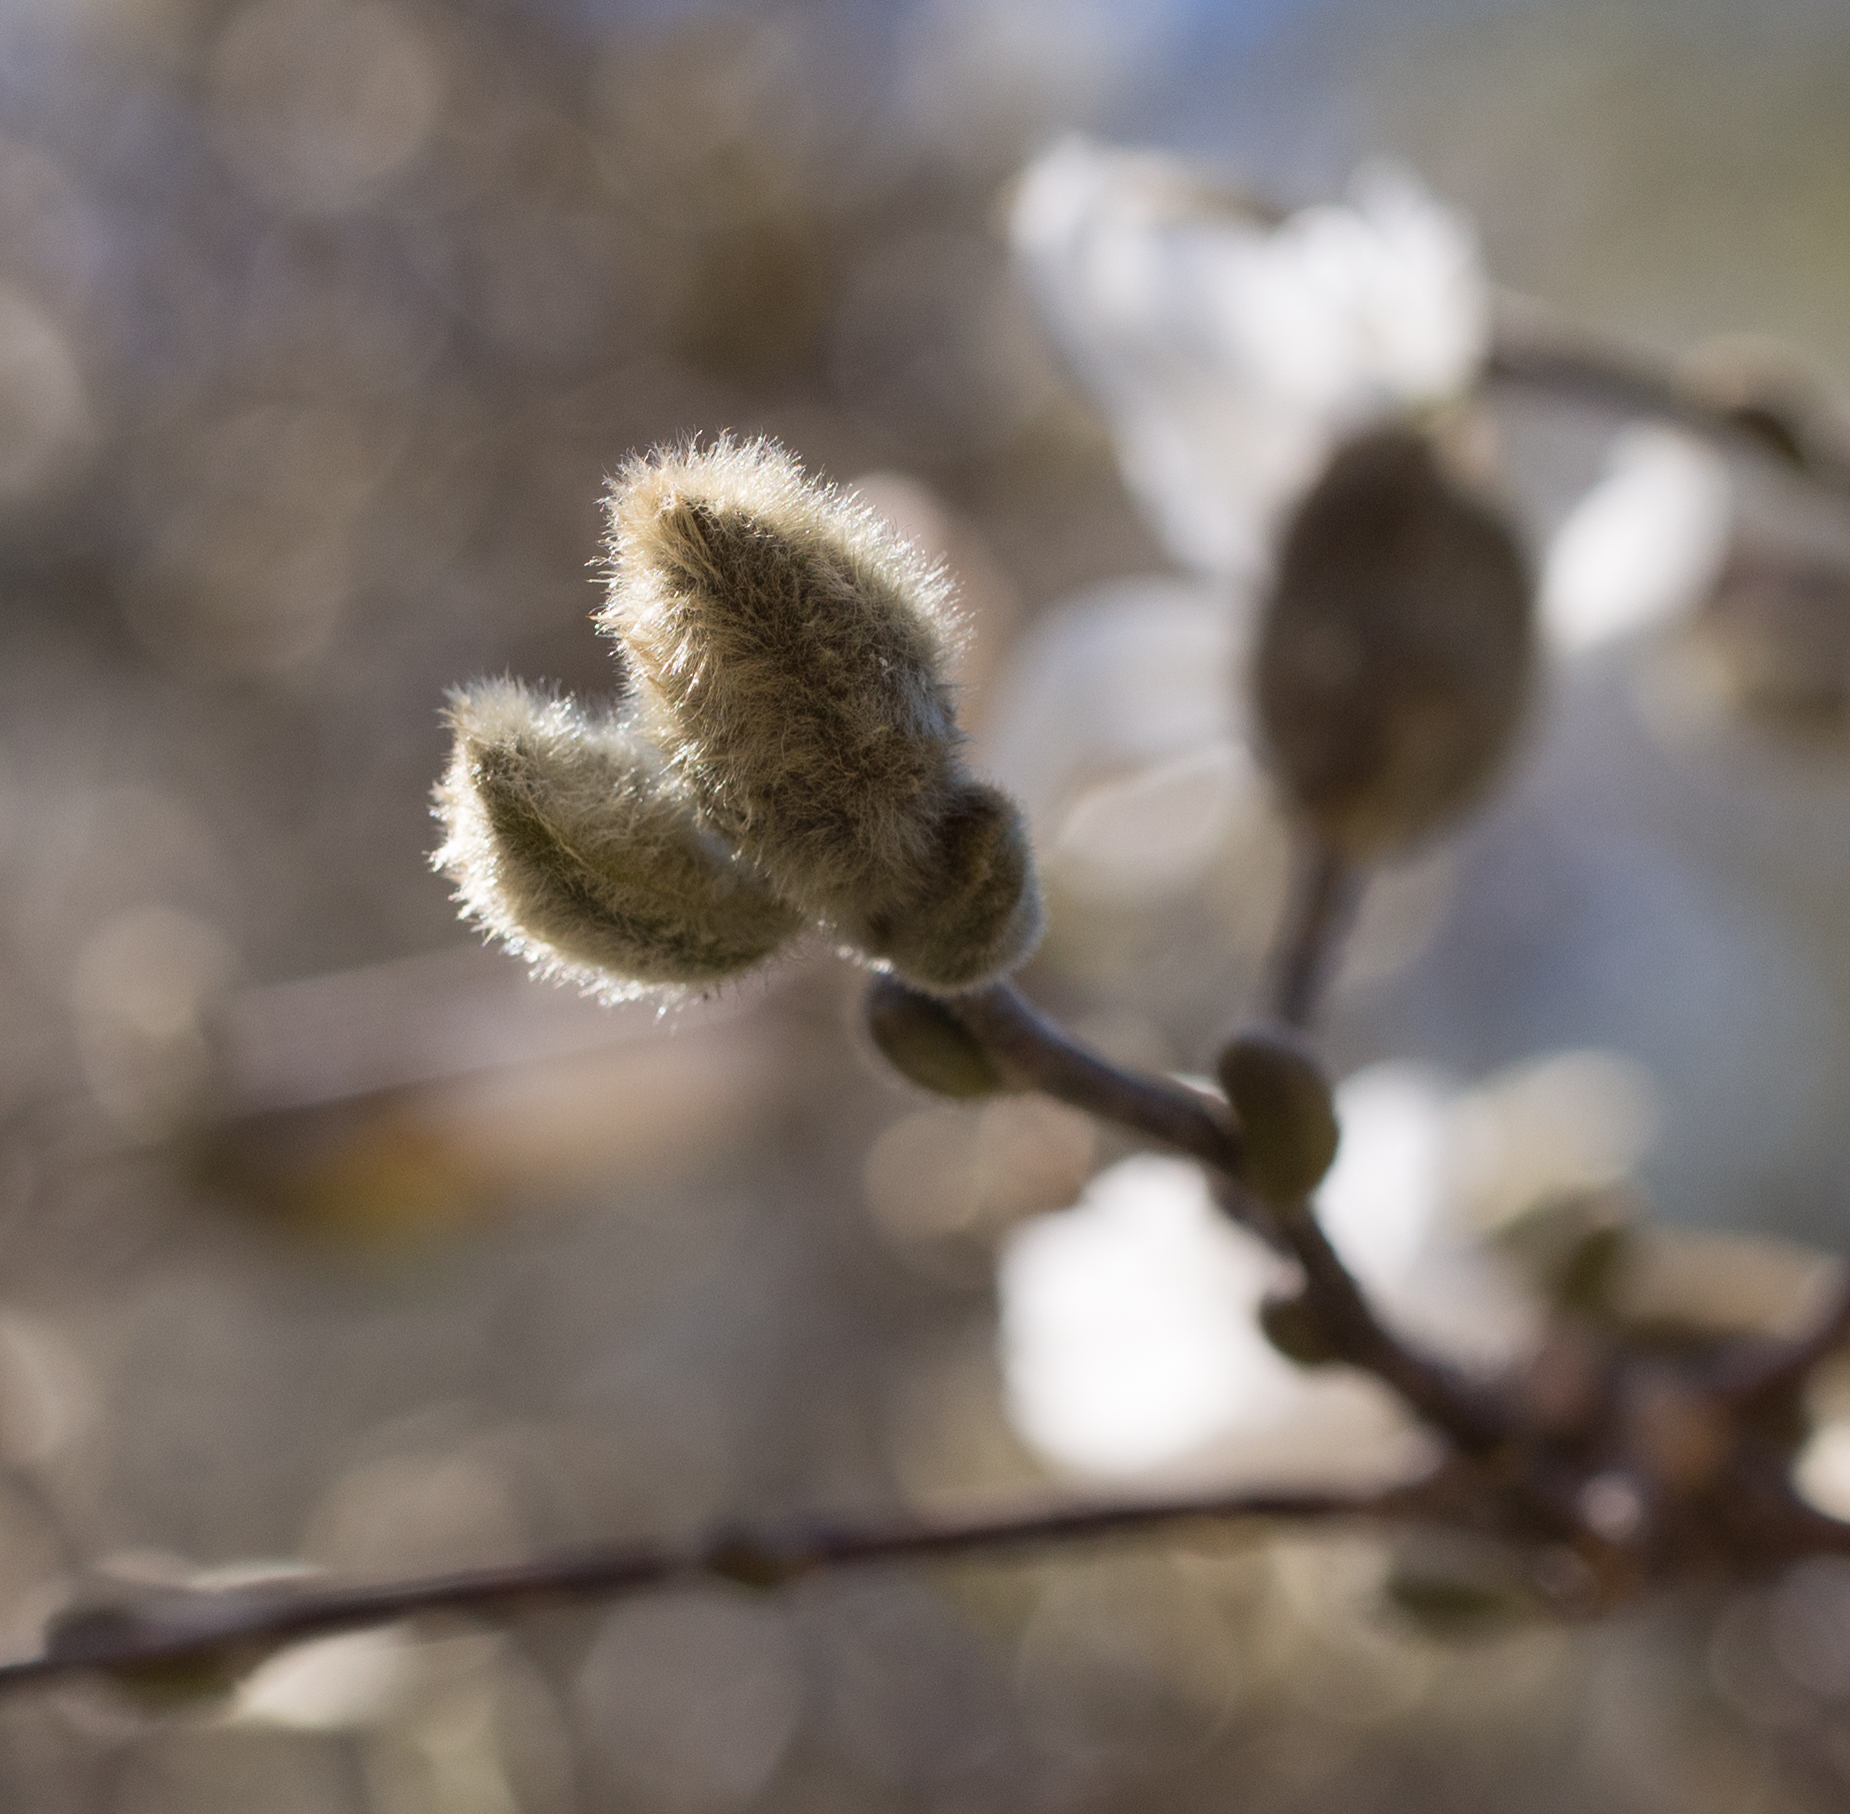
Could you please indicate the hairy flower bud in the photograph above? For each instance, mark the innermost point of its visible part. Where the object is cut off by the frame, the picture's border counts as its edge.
(570, 841)
(789, 650)
(1287, 1115)
(926, 1043)
(1396, 654)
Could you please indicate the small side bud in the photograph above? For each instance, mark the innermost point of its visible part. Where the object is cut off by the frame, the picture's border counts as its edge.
(1291, 1324)
(111, 1634)
(978, 912)
(926, 1043)
(1287, 1115)
(568, 841)
(1395, 658)
(748, 1563)
(1454, 1590)
(790, 651)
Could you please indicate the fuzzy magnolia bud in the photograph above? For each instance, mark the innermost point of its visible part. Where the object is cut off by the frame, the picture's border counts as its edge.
(569, 840)
(789, 650)
(1287, 1116)
(1396, 654)
(926, 1043)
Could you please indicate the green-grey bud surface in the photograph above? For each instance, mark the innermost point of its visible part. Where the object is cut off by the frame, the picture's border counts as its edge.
(570, 841)
(1287, 1115)
(925, 1042)
(1397, 649)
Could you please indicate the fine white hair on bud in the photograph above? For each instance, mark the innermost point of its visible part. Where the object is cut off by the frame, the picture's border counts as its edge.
(568, 839)
(789, 654)
(1398, 646)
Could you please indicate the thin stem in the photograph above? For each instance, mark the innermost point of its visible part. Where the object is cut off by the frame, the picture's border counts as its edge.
(178, 1625)
(1446, 1400)
(1326, 890)
(1325, 893)
(1038, 1054)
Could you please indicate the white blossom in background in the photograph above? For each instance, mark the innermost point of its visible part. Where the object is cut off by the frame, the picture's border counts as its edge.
(1117, 723)
(1117, 678)
(1127, 1324)
(1822, 1472)
(1130, 1340)
(1644, 546)
(1228, 354)
(348, 1682)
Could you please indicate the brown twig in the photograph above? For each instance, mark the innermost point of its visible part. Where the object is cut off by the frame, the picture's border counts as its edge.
(1037, 1054)
(1471, 1418)
(173, 1626)
(1035, 1051)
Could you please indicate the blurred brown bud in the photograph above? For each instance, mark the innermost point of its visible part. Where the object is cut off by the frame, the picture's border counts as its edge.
(1291, 1324)
(1575, 1249)
(1286, 1112)
(1396, 654)
(1454, 1589)
(926, 1043)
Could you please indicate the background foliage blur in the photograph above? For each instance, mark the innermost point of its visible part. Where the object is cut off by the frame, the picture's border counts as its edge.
(326, 1236)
